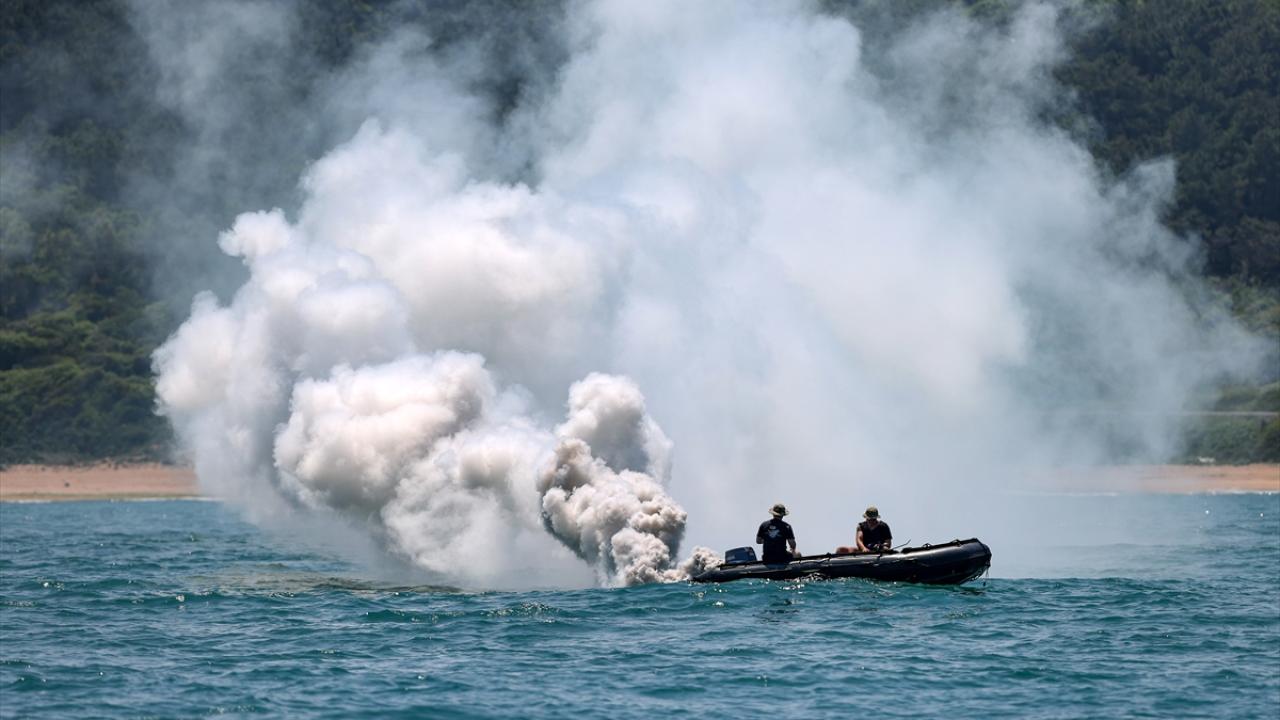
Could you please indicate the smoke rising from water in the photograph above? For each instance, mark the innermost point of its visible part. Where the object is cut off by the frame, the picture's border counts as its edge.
(754, 258)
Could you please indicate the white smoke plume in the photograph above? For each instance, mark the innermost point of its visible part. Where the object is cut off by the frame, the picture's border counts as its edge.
(307, 391)
(603, 496)
(841, 271)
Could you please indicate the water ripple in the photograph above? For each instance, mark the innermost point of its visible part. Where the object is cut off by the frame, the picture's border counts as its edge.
(178, 609)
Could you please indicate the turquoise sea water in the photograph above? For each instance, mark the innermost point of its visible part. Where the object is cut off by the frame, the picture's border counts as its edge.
(179, 609)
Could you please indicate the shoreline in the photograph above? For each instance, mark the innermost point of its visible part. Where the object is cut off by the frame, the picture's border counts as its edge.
(103, 481)
(154, 481)
(1167, 479)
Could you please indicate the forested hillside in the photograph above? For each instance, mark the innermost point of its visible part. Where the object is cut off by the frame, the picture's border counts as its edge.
(97, 267)
(98, 263)
(77, 315)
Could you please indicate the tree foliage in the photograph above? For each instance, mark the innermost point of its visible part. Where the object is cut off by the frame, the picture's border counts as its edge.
(1198, 81)
(77, 323)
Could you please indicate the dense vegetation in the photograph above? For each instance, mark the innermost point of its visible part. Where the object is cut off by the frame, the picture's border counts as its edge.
(94, 272)
(1196, 80)
(77, 322)
(88, 257)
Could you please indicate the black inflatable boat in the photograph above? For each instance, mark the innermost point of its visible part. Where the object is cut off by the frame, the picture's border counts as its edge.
(946, 564)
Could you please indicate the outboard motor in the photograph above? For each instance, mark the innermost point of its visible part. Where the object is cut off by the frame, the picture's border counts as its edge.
(740, 555)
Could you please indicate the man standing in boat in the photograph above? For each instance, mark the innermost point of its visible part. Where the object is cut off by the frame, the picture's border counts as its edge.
(777, 537)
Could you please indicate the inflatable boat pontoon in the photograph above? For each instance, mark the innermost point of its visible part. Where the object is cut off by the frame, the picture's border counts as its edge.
(946, 564)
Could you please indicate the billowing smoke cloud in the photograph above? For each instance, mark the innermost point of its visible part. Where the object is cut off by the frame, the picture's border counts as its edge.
(603, 495)
(309, 390)
(840, 272)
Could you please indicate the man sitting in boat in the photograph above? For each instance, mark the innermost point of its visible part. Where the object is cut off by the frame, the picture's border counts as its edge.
(873, 534)
(776, 536)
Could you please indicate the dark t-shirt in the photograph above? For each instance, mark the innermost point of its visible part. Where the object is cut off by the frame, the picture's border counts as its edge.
(774, 534)
(873, 537)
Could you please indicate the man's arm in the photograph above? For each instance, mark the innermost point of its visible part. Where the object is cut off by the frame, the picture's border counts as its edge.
(862, 547)
(791, 543)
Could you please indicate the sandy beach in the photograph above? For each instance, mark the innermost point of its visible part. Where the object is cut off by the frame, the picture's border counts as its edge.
(138, 481)
(1168, 479)
(96, 482)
